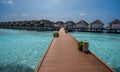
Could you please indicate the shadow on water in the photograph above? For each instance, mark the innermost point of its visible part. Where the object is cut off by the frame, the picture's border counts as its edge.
(117, 69)
(15, 68)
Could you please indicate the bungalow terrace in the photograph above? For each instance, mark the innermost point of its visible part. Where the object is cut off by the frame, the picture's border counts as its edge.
(82, 26)
(114, 26)
(96, 26)
(70, 25)
(46, 25)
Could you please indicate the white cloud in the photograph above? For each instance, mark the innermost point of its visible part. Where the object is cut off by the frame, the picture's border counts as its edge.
(82, 14)
(9, 2)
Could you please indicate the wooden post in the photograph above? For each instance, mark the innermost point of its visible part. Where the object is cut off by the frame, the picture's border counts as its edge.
(85, 46)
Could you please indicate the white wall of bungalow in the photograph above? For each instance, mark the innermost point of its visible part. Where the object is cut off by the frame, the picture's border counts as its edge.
(81, 26)
(115, 24)
(47, 24)
(96, 26)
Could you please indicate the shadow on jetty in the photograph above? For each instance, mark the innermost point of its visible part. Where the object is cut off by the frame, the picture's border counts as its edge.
(15, 68)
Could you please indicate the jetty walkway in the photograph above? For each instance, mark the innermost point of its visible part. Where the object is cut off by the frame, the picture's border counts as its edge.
(63, 56)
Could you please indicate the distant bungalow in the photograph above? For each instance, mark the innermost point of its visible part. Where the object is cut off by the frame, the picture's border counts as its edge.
(96, 26)
(2, 24)
(9, 24)
(82, 26)
(46, 25)
(13, 26)
(114, 26)
(70, 25)
(58, 25)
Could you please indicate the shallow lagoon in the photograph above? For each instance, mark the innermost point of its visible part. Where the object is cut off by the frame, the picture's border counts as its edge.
(21, 50)
(105, 46)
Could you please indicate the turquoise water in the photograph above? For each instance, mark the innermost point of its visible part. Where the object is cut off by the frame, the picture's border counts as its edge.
(20, 50)
(105, 46)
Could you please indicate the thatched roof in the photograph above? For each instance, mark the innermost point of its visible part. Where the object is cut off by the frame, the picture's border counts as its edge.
(24, 22)
(4, 22)
(1, 22)
(45, 22)
(34, 21)
(82, 22)
(115, 22)
(19, 22)
(37, 21)
(14, 22)
(53, 22)
(97, 22)
(70, 23)
(59, 22)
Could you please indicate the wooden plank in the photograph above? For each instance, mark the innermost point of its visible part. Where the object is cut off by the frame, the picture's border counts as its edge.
(63, 56)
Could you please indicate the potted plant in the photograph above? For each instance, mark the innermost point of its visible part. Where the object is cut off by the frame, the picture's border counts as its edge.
(56, 34)
(80, 45)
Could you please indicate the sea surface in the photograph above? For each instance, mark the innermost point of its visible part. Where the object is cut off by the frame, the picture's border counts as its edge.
(105, 46)
(21, 50)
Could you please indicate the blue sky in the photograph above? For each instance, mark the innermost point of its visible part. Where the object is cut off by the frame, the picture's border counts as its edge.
(60, 10)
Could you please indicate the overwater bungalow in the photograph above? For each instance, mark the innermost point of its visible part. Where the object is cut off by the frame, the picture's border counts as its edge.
(46, 25)
(82, 26)
(114, 26)
(37, 25)
(13, 25)
(60, 24)
(16, 25)
(70, 25)
(96, 26)
(2, 24)
(9, 25)
(19, 24)
(28, 25)
(53, 25)
(22, 24)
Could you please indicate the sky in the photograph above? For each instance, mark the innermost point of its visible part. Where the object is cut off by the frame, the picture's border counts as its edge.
(60, 10)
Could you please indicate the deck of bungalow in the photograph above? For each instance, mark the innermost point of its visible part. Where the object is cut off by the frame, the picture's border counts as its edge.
(63, 55)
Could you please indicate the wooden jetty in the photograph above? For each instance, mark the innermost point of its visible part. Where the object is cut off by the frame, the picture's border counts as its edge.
(63, 55)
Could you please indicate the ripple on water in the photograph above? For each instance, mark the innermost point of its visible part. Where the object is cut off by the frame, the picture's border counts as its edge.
(22, 49)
